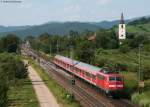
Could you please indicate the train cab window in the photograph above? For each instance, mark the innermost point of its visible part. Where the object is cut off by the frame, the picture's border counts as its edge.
(112, 79)
(101, 77)
(115, 79)
(118, 79)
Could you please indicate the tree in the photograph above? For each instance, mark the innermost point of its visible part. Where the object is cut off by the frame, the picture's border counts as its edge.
(10, 43)
(106, 40)
(3, 89)
(140, 39)
(124, 48)
(85, 51)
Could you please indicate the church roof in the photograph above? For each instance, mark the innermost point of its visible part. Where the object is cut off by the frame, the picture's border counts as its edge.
(122, 19)
(93, 37)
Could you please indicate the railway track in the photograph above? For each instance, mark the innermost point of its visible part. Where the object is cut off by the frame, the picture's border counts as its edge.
(86, 96)
(98, 99)
(85, 99)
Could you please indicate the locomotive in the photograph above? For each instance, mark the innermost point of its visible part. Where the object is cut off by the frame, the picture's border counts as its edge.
(102, 78)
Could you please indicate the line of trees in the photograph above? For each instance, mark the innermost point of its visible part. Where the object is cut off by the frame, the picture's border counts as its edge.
(87, 50)
(12, 69)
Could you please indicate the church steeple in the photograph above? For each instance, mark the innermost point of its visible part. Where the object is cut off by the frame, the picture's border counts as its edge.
(122, 19)
(122, 29)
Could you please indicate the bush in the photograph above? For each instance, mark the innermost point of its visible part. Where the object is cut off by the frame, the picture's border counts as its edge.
(141, 99)
(121, 67)
(11, 68)
(10, 43)
(124, 48)
(3, 89)
(146, 72)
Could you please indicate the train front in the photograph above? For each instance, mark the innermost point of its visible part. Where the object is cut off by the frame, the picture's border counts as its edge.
(115, 84)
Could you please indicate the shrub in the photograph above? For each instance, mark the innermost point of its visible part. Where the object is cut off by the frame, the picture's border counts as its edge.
(3, 89)
(141, 99)
(124, 48)
(11, 68)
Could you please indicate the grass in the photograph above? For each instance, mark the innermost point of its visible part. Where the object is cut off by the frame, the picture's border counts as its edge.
(142, 99)
(59, 92)
(130, 76)
(131, 83)
(130, 79)
(22, 95)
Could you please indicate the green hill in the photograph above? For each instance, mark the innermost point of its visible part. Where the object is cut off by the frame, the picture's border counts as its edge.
(140, 29)
(139, 26)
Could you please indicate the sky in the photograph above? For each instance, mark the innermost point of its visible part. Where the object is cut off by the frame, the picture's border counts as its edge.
(35, 12)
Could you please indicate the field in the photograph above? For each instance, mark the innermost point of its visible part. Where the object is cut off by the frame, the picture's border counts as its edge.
(22, 95)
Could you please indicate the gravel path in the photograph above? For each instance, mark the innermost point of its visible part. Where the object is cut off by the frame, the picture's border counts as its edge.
(45, 97)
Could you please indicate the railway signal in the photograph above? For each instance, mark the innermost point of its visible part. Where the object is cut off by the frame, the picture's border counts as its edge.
(73, 82)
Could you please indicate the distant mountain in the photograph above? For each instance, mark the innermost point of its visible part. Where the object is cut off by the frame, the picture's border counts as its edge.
(108, 24)
(55, 28)
(12, 28)
(60, 28)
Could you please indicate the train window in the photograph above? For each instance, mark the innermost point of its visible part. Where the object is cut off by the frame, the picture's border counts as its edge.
(79, 70)
(118, 79)
(82, 72)
(88, 74)
(71, 67)
(93, 76)
(112, 79)
(76, 69)
(115, 79)
(101, 77)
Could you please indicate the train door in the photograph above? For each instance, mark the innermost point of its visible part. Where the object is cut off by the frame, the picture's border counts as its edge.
(100, 81)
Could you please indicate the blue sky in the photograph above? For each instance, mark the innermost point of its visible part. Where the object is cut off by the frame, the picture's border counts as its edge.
(34, 12)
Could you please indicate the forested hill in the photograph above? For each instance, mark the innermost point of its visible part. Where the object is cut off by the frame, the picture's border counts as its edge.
(58, 28)
(12, 28)
(139, 26)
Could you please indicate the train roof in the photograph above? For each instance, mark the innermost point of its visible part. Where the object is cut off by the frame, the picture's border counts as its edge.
(84, 66)
(78, 64)
(67, 60)
(88, 67)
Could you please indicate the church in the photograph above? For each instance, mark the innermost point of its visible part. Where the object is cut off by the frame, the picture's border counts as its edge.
(122, 29)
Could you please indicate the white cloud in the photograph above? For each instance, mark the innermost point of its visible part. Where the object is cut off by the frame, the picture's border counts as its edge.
(103, 2)
(72, 12)
(26, 4)
(72, 8)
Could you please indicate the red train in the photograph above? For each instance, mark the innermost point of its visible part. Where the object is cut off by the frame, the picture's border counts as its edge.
(99, 77)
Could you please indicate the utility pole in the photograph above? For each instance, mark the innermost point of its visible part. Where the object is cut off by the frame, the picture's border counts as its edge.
(50, 48)
(57, 47)
(71, 57)
(140, 75)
